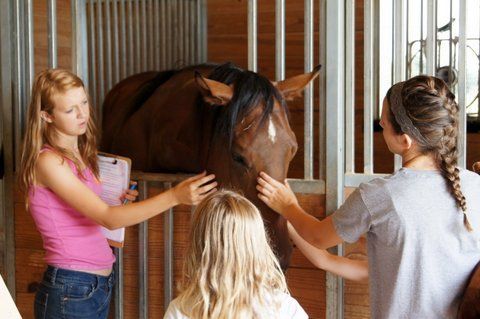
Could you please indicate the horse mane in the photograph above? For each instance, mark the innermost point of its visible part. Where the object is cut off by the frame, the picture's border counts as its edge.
(250, 89)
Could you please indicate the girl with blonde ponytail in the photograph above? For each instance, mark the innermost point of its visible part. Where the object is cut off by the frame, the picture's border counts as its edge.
(230, 271)
(60, 179)
(422, 223)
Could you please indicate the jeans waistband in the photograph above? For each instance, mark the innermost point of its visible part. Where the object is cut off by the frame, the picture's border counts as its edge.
(54, 275)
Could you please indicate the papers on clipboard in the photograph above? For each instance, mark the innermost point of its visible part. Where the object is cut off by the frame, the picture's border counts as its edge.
(115, 178)
(7, 306)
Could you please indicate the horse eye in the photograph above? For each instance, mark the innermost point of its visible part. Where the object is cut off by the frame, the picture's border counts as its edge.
(240, 160)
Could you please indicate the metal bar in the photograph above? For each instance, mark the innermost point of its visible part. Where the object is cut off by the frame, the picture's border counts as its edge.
(123, 41)
(350, 86)
(187, 34)
(7, 216)
(335, 92)
(131, 55)
(308, 99)
(431, 46)
(101, 62)
(368, 97)
(307, 186)
(322, 90)
(52, 33)
(181, 42)
(252, 35)
(108, 36)
(279, 40)
(204, 29)
(144, 36)
(421, 36)
(93, 52)
(169, 42)
(156, 18)
(163, 15)
(354, 180)
(175, 34)
(399, 56)
(138, 37)
(450, 46)
(116, 46)
(168, 253)
(462, 81)
(119, 284)
(152, 44)
(143, 259)
(29, 52)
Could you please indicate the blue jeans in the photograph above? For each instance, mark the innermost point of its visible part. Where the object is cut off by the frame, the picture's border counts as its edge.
(68, 294)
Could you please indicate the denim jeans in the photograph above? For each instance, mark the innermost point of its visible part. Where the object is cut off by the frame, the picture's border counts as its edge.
(68, 294)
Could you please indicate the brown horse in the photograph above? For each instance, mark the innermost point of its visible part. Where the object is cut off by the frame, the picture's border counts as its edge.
(219, 118)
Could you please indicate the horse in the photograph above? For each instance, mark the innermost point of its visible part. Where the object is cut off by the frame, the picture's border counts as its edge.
(219, 118)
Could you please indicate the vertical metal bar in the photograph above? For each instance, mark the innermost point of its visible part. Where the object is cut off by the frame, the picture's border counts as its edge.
(144, 36)
(399, 57)
(252, 35)
(123, 41)
(204, 30)
(193, 38)
(168, 254)
(108, 36)
(450, 46)
(322, 89)
(119, 275)
(350, 86)
(143, 259)
(116, 46)
(335, 92)
(52, 33)
(431, 41)
(368, 97)
(174, 13)
(198, 35)
(152, 44)
(138, 37)
(92, 69)
(421, 37)
(79, 37)
(308, 100)
(279, 40)
(462, 87)
(164, 15)
(181, 38)
(156, 18)
(101, 62)
(186, 34)
(19, 100)
(7, 217)
(29, 51)
(131, 56)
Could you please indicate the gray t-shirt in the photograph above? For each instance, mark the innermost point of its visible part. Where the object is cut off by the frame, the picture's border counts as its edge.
(420, 254)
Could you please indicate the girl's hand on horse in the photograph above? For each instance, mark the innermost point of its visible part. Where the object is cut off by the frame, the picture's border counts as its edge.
(194, 189)
(278, 196)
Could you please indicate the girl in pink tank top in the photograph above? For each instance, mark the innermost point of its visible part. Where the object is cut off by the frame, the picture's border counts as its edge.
(60, 179)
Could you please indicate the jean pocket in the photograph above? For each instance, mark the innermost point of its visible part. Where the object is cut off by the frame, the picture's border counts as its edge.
(79, 291)
(40, 305)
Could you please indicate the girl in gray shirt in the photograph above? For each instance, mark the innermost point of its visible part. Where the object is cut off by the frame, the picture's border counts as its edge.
(422, 223)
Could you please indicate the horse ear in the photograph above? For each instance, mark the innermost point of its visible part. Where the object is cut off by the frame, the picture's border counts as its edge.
(213, 92)
(293, 87)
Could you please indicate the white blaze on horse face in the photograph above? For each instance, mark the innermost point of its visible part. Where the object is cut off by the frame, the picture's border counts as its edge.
(272, 131)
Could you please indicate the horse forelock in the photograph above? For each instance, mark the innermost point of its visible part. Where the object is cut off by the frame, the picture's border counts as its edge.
(251, 90)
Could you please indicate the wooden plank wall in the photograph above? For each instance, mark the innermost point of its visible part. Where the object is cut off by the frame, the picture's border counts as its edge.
(227, 41)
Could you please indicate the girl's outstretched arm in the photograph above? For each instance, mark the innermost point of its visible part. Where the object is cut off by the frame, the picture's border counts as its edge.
(280, 197)
(53, 171)
(347, 268)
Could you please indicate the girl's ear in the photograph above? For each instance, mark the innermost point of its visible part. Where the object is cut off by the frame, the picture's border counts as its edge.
(406, 141)
(46, 117)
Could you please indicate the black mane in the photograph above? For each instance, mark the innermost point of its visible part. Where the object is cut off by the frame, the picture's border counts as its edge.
(249, 88)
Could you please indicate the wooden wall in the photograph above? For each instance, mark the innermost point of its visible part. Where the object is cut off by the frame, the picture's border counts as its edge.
(227, 41)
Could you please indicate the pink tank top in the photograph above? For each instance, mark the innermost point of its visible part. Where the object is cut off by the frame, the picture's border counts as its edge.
(71, 240)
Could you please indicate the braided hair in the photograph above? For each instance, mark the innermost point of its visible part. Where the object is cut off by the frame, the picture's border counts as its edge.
(431, 107)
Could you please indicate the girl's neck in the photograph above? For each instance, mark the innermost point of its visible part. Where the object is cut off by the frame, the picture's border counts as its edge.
(67, 142)
(420, 162)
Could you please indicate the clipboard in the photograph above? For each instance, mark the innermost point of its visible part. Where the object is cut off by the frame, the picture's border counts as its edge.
(115, 177)
(8, 309)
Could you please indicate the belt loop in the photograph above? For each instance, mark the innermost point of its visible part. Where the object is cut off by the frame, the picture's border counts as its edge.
(54, 275)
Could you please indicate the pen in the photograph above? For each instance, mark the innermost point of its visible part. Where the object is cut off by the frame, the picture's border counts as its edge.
(132, 187)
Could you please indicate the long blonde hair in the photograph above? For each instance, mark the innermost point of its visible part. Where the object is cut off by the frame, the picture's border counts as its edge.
(229, 266)
(38, 133)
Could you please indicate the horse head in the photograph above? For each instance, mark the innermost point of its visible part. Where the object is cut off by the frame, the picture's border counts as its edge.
(252, 134)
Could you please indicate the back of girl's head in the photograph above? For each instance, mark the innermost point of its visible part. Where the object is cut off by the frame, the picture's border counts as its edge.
(229, 265)
(431, 107)
(48, 84)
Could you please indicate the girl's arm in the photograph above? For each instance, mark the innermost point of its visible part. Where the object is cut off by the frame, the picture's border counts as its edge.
(347, 268)
(54, 172)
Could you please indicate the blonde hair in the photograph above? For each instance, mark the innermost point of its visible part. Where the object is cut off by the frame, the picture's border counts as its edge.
(431, 107)
(229, 266)
(38, 133)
